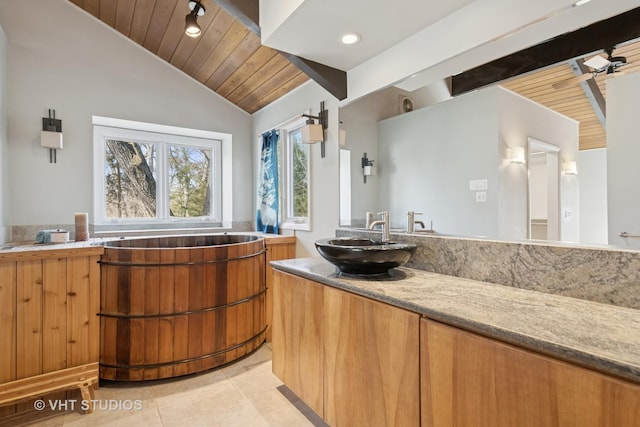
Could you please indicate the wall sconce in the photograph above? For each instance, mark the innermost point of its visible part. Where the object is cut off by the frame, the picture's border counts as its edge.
(342, 136)
(192, 29)
(312, 132)
(51, 135)
(516, 154)
(367, 168)
(570, 168)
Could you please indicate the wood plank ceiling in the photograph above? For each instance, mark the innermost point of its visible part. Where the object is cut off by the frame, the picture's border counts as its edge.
(572, 101)
(227, 57)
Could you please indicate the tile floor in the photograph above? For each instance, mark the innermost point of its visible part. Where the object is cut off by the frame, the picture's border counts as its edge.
(245, 393)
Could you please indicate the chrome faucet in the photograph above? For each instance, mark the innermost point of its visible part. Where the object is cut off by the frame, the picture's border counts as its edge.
(411, 221)
(384, 222)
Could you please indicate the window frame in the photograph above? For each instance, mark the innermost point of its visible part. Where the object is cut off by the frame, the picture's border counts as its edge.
(164, 136)
(287, 220)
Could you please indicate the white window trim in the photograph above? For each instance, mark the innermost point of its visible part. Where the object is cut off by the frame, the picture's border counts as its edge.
(293, 223)
(225, 204)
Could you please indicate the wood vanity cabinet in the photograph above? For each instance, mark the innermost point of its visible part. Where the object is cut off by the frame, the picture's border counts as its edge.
(278, 248)
(353, 360)
(471, 380)
(371, 362)
(297, 349)
(360, 362)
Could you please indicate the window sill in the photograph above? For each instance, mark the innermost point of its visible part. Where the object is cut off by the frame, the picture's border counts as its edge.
(295, 226)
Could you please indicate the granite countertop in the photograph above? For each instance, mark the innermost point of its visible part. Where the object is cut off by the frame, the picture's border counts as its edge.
(599, 336)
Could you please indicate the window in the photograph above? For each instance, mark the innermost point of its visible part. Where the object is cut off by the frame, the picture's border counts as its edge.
(143, 176)
(294, 177)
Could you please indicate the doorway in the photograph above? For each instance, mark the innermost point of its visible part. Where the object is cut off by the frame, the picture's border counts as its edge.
(544, 191)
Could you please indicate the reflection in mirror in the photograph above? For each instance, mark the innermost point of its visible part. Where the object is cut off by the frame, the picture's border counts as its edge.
(449, 161)
(594, 205)
(544, 190)
(345, 188)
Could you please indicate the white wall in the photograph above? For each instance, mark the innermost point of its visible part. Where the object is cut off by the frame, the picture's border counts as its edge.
(623, 158)
(427, 158)
(4, 157)
(521, 118)
(592, 173)
(360, 120)
(62, 58)
(325, 198)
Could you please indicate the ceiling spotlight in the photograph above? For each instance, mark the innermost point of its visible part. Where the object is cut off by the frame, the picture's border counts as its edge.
(350, 38)
(192, 29)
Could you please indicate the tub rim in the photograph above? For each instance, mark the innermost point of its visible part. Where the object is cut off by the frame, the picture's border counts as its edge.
(111, 243)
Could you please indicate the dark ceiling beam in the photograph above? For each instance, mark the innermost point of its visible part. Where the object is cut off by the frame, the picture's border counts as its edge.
(331, 79)
(586, 40)
(245, 11)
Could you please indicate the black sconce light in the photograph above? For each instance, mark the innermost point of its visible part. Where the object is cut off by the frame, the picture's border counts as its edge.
(192, 29)
(51, 135)
(312, 132)
(367, 167)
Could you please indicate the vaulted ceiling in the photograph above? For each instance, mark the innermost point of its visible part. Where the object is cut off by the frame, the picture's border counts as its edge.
(227, 57)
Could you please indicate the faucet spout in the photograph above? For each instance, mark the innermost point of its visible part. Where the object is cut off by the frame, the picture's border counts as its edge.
(384, 222)
(411, 221)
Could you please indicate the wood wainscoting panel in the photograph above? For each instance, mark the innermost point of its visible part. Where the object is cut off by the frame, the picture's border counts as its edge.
(8, 320)
(49, 302)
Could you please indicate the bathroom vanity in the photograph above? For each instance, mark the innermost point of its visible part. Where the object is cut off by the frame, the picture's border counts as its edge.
(422, 348)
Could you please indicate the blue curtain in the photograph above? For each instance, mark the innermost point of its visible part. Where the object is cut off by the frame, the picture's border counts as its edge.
(268, 198)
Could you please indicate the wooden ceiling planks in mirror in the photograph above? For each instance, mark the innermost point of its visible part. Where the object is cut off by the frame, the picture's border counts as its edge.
(227, 57)
(572, 101)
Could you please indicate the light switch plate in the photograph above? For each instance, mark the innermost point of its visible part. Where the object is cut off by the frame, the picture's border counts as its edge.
(478, 184)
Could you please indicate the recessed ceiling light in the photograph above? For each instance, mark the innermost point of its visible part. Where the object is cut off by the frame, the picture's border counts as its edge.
(350, 38)
(581, 2)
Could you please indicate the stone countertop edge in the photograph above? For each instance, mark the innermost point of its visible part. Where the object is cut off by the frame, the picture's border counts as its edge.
(29, 246)
(598, 336)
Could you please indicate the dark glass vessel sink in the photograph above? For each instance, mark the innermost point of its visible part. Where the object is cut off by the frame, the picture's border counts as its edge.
(364, 256)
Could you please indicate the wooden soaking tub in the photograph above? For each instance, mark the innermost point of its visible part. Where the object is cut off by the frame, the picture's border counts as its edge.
(171, 306)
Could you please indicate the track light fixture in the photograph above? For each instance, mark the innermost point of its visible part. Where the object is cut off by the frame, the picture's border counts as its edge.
(192, 29)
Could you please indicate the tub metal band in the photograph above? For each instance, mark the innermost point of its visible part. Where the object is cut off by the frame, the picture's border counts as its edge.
(182, 313)
(174, 264)
(192, 359)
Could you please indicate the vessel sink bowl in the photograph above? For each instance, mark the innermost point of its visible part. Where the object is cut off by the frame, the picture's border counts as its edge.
(364, 256)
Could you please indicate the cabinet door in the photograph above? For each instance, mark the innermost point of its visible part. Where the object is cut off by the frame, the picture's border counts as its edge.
(297, 337)
(371, 362)
(470, 380)
(277, 249)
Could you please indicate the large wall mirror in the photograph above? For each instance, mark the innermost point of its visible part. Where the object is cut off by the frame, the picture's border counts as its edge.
(450, 158)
